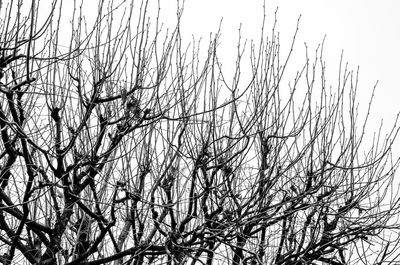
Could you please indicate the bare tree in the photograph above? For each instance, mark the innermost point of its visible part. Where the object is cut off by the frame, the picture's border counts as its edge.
(120, 144)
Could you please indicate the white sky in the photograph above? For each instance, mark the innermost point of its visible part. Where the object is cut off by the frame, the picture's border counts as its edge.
(368, 31)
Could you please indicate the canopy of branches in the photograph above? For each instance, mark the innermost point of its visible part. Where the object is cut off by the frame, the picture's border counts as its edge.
(121, 144)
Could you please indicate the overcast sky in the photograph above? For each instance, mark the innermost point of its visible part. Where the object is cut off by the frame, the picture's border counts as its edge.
(368, 32)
